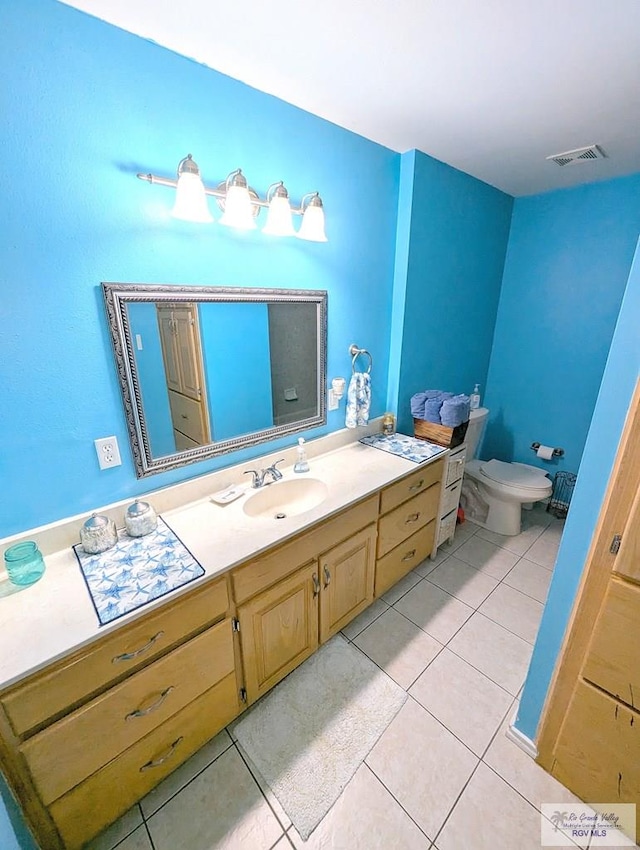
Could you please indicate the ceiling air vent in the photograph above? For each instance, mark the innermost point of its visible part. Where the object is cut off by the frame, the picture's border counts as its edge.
(577, 156)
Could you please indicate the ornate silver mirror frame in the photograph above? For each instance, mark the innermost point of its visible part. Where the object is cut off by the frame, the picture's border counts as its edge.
(119, 298)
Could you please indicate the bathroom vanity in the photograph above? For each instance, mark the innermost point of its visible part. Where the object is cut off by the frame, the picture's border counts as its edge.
(93, 718)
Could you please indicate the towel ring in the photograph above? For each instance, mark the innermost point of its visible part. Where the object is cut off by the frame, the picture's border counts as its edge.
(355, 352)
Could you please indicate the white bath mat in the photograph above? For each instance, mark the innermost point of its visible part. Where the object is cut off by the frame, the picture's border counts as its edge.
(310, 734)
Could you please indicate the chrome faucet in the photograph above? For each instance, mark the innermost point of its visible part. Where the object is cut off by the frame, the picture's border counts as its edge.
(260, 475)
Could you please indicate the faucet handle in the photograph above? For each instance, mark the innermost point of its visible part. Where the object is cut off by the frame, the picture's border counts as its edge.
(257, 476)
(277, 475)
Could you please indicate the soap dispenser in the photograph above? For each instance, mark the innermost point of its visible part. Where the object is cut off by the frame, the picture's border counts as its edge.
(474, 398)
(301, 464)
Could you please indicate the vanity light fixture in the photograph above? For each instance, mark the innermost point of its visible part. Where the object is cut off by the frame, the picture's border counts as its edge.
(191, 201)
(241, 205)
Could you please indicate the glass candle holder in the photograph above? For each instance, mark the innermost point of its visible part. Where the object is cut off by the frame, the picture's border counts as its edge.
(24, 563)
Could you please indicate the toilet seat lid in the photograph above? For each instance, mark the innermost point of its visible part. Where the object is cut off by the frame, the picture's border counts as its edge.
(516, 474)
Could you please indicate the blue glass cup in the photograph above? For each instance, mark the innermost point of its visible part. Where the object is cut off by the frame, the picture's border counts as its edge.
(24, 563)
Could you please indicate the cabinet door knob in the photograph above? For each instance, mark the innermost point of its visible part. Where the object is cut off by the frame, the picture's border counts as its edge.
(409, 555)
(316, 585)
(418, 485)
(412, 518)
(327, 576)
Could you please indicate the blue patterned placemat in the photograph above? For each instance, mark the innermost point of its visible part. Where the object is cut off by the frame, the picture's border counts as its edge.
(136, 571)
(409, 448)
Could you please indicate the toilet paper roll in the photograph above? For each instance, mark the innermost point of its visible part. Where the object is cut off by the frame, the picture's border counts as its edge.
(545, 452)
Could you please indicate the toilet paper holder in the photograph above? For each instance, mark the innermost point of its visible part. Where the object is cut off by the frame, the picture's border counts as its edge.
(556, 452)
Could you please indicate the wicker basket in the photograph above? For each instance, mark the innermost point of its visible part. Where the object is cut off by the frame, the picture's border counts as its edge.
(440, 434)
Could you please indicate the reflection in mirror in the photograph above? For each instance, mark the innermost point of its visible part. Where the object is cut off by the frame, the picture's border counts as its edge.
(206, 370)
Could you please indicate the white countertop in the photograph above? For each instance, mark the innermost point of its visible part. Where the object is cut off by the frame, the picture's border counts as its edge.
(55, 616)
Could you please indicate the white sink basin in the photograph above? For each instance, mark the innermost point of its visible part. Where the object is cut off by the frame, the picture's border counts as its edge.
(286, 498)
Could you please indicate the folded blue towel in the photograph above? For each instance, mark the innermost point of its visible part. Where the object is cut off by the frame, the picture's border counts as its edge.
(419, 399)
(455, 411)
(432, 410)
(417, 405)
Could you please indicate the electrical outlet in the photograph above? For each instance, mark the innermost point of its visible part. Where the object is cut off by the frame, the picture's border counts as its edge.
(108, 452)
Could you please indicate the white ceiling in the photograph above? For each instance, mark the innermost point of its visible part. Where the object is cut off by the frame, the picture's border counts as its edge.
(489, 86)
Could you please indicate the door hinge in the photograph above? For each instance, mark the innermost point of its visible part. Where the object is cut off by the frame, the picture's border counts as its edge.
(243, 694)
(615, 544)
(235, 624)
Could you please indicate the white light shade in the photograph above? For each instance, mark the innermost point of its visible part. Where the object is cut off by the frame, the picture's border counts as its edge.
(191, 201)
(238, 210)
(312, 227)
(279, 221)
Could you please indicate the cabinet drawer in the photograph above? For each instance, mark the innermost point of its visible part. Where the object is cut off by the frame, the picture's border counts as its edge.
(597, 752)
(275, 565)
(411, 485)
(613, 659)
(404, 558)
(79, 744)
(187, 415)
(406, 519)
(451, 498)
(88, 671)
(98, 801)
(455, 468)
(447, 527)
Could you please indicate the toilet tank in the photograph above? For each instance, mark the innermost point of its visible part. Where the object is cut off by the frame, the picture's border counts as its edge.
(477, 422)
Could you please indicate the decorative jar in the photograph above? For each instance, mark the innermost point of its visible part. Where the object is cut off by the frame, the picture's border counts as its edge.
(24, 563)
(140, 519)
(98, 534)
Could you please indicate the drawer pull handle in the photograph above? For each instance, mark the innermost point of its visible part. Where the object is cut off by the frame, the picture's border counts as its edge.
(409, 555)
(418, 485)
(412, 518)
(316, 585)
(165, 757)
(327, 576)
(129, 656)
(142, 712)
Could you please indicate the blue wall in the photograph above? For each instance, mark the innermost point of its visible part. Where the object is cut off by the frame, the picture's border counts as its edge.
(235, 350)
(458, 231)
(567, 265)
(620, 376)
(85, 107)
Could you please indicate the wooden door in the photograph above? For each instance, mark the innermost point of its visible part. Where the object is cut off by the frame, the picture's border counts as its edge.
(347, 575)
(169, 348)
(598, 750)
(188, 344)
(588, 734)
(279, 629)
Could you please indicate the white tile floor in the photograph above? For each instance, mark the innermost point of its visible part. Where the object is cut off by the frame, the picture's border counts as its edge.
(457, 634)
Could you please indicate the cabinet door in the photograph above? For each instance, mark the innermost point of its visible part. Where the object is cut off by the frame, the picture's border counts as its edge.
(279, 629)
(346, 573)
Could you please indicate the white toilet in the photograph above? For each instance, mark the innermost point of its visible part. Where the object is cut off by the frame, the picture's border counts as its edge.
(493, 491)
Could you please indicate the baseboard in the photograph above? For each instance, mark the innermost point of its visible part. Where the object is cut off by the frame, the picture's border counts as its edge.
(521, 740)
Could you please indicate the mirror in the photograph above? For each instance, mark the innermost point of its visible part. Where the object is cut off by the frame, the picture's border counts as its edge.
(208, 370)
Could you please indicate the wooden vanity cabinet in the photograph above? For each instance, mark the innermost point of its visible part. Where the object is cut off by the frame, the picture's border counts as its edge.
(138, 703)
(298, 596)
(407, 525)
(98, 730)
